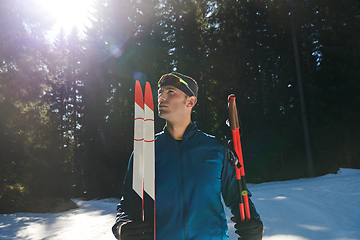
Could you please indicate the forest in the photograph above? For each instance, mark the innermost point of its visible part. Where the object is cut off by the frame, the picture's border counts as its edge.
(66, 107)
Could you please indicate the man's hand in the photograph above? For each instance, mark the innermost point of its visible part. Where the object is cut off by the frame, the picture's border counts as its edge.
(135, 231)
(251, 230)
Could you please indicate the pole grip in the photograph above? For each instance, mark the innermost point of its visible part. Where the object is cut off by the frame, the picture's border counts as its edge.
(233, 115)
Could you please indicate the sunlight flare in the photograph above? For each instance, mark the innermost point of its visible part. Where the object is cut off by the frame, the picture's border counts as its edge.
(69, 13)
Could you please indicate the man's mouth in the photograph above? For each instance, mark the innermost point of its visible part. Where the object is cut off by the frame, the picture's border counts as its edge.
(161, 105)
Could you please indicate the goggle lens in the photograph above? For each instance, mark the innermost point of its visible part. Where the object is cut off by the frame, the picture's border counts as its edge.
(169, 79)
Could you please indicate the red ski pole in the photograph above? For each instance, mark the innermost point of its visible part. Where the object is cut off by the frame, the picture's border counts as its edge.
(240, 171)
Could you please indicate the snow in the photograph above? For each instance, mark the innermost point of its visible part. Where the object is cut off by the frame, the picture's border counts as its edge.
(326, 207)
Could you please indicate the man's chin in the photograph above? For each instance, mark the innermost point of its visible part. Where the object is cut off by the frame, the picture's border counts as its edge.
(162, 114)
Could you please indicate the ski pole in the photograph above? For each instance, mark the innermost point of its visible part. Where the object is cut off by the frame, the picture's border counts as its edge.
(240, 171)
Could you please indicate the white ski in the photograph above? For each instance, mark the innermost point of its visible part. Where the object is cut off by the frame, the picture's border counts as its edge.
(144, 156)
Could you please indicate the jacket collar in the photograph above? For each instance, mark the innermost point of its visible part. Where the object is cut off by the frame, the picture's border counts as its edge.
(190, 131)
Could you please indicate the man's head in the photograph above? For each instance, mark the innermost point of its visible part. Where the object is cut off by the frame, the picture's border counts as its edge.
(177, 95)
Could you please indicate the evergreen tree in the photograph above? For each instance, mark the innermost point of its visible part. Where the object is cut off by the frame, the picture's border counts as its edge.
(23, 71)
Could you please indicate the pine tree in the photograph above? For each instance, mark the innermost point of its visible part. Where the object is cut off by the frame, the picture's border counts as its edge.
(23, 72)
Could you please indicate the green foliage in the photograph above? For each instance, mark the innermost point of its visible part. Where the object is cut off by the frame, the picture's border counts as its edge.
(22, 76)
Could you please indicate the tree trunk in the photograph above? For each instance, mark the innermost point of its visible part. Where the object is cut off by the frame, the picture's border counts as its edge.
(310, 164)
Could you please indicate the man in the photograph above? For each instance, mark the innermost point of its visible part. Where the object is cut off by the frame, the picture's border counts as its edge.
(192, 171)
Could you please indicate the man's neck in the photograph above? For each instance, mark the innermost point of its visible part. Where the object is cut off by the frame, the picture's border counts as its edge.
(177, 129)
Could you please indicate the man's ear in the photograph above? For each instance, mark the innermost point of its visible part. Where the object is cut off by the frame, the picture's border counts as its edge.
(191, 101)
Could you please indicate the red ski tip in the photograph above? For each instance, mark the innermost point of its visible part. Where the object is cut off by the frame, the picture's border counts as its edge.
(148, 96)
(138, 95)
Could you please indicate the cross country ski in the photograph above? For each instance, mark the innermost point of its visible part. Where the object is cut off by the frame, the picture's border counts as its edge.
(144, 156)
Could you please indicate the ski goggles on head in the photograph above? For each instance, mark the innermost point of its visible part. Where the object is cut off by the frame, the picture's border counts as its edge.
(178, 82)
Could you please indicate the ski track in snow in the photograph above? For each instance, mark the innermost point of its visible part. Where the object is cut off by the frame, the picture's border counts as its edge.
(322, 208)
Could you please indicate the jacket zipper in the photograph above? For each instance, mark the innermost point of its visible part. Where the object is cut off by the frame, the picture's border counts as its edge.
(182, 188)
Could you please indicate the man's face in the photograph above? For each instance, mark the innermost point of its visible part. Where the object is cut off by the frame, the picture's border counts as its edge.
(171, 103)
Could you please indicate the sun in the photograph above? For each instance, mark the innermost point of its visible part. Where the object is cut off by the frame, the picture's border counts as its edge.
(69, 13)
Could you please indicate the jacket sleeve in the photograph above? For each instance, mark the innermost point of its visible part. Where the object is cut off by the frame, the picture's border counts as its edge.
(230, 189)
(123, 210)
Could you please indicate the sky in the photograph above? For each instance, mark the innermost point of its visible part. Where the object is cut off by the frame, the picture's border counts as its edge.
(68, 14)
(321, 208)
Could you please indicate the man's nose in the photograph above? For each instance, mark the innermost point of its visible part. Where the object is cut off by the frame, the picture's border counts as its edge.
(160, 97)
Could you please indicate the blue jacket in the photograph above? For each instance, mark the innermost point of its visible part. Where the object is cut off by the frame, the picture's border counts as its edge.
(191, 175)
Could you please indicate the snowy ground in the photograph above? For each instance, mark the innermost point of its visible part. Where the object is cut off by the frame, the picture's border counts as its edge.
(326, 207)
